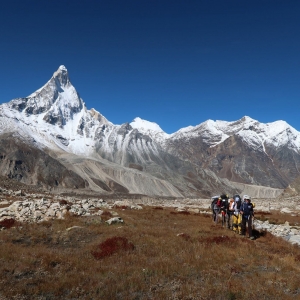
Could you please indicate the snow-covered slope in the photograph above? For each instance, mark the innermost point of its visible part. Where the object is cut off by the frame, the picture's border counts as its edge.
(254, 133)
(149, 128)
(56, 116)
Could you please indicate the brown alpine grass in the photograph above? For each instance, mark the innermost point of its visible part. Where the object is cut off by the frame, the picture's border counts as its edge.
(276, 217)
(155, 254)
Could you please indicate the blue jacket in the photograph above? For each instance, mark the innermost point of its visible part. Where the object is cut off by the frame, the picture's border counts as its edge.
(247, 209)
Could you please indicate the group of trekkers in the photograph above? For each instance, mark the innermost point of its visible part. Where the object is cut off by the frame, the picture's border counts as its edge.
(236, 213)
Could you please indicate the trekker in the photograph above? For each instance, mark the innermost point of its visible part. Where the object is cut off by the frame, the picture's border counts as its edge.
(216, 207)
(230, 212)
(236, 216)
(247, 216)
(224, 209)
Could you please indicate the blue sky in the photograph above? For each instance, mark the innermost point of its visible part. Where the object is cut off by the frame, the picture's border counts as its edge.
(176, 63)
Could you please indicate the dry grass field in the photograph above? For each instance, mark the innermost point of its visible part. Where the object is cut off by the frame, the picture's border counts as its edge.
(275, 217)
(156, 253)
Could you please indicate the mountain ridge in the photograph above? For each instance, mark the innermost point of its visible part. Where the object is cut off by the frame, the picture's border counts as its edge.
(64, 102)
(55, 117)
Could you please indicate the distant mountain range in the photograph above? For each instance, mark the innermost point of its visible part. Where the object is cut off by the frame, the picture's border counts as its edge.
(51, 139)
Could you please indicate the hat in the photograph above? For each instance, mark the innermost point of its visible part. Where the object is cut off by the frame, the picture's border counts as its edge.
(246, 197)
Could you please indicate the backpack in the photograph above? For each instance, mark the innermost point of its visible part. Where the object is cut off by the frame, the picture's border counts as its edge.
(214, 202)
(225, 204)
(238, 201)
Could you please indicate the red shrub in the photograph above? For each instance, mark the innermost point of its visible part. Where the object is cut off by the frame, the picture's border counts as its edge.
(206, 215)
(263, 213)
(106, 213)
(297, 257)
(121, 206)
(216, 228)
(111, 246)
(216, 239)
(184, 212)
(7, 223)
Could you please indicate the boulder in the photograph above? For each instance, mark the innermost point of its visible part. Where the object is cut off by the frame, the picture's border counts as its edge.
(4, 202)
(137, 207)
(294, 239)
(180, 209)
(37, 214)
(19, 193)
(114, 220)
(55, 206)
(73, 227)
(50, 213)
(286, 210)
(194, 210)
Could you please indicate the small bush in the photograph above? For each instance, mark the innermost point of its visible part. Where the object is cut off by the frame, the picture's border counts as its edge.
(274, 221)
(7, 223)
(297, 257)
(216, 240)
(106, 213)
(184, 212)
(111, 246)
(46, 224)
(122, 207)
(207, 215)
(263, 213)
(231, 296)
(185, 236)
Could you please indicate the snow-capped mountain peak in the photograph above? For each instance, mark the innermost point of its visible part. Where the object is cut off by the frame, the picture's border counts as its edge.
(56, 101)
(62, 68)
(254, 133)
(151, 129)
(145, 125)
(61, 76)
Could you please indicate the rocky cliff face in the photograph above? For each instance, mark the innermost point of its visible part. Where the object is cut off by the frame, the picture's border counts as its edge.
(138, 157)
(245, 151)
(30, 165)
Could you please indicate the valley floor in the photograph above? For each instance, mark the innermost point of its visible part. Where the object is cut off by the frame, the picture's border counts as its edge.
(162, 251)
